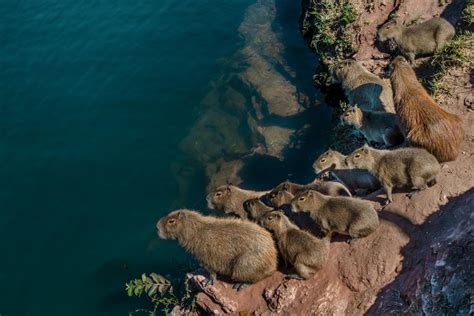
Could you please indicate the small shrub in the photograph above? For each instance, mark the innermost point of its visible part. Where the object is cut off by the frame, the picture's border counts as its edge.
(160, 292)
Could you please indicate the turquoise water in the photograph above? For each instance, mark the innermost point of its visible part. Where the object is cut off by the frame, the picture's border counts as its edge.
(96, 98)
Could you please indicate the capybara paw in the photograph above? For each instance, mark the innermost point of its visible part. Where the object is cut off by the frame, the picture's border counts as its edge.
(411, 194)
(208, 281)
(293, 276)
(240, 286)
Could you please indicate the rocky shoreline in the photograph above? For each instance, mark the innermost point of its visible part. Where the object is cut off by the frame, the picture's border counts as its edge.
(420, 258)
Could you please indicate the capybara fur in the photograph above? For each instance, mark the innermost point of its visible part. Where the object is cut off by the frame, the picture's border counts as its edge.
(298, 248)
(240, 250)
(359, 181)
(426, 124)
(363, 87)
(419, 39)
(279, 197)
(230, 199)
(405, 167)
(285, 191)
(338, 214)
(255, 208)
(376, 126)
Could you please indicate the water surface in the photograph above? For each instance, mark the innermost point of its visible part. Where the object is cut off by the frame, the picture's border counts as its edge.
(98, 100)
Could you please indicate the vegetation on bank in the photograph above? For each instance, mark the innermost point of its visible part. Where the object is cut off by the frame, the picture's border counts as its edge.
(162, 295)
(328, 27)
(458, 53)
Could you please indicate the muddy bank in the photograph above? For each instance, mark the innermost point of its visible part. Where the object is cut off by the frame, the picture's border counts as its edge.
(420, 258)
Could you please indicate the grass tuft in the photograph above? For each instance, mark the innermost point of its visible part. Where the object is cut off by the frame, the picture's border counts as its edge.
(329, 24)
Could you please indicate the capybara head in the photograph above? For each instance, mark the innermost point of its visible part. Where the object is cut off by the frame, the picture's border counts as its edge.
(304, 201)
(389, 30)
(170, 226)
(280, 195)
(399, 61)
(361, 158)
(256, 208)
(352, 116)
(329, 159)
(220, 197)
(342, 70)
(273, 221)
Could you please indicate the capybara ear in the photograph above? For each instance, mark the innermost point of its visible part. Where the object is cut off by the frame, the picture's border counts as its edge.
(366, 149)
(181, 215)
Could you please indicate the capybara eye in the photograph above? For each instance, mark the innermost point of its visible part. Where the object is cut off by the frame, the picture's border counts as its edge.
(171, 221)
(218, 193)
(323, 160)
(357, 156)
(302, 198)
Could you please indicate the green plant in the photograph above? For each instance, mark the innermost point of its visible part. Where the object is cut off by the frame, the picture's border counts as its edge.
(161, 294)
(457, 53)
(329, 24)
(454, 54)
(347, 13)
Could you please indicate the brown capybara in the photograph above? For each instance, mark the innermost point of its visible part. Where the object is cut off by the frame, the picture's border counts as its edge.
(231, 247)
(285, 191)
(426, 124)
(419, 39)
(363, 87)
(358, 181)
(256, 208)
(338, 214)
(298, 248)
(376, 126)
(404, 167)
(230, 199)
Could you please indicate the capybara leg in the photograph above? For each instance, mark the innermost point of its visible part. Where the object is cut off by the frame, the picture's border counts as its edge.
(441, 40)
(411, 58)
(419, 183)
(431, 182)
(412, 194)
(360, 232)
(294, 276)
(211, 279)
(304, 271)
(388, 190)
(240, 286)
